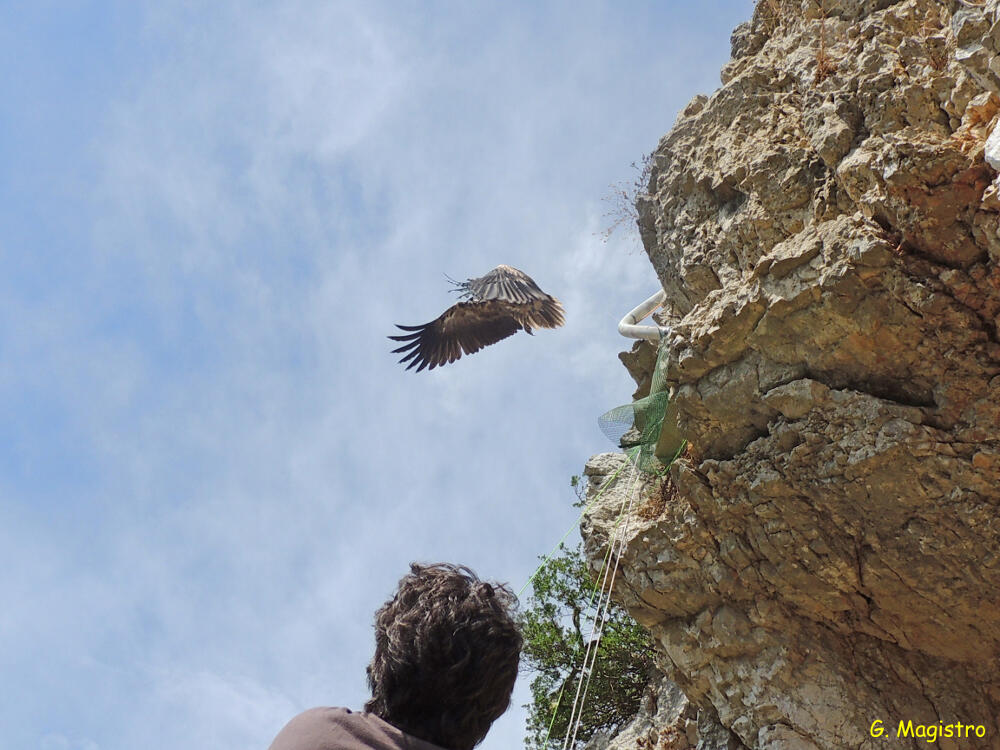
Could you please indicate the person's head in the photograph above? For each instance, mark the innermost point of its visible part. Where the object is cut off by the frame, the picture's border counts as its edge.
(446, 655)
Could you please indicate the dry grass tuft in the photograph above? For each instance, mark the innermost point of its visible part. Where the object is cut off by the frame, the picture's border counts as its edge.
(825, 66)
(623, 197)
(770, 14)
(656, 503)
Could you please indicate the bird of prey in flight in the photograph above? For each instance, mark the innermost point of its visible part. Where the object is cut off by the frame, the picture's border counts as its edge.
(497, 305)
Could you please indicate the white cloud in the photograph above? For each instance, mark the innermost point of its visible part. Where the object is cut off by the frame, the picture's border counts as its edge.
(61, 742)
(219, 710)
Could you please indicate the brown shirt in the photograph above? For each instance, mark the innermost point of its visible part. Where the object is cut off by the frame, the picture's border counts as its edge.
(341, 729)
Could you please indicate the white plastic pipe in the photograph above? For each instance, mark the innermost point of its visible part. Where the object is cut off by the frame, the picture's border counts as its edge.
(629, 328)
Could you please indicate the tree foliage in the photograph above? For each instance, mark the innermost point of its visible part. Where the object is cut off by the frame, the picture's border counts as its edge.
(556, 622)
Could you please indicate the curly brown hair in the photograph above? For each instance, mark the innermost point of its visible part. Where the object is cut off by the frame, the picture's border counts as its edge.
(446, 655)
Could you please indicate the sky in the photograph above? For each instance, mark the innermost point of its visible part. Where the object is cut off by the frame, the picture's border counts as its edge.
(212, 214)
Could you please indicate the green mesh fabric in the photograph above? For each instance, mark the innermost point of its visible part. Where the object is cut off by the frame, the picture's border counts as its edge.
(640, 424)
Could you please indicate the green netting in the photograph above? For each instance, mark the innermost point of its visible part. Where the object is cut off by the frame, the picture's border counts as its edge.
(641, 424)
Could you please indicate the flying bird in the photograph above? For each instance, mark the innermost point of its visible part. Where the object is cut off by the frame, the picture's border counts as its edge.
(498, 305)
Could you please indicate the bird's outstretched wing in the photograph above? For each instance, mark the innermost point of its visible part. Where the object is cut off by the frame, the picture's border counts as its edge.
(539, 313)
(504, 282)
(530, 306)
(500, 304)
(465, 327)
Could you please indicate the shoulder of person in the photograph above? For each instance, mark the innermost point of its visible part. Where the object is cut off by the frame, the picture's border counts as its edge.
(327, 728)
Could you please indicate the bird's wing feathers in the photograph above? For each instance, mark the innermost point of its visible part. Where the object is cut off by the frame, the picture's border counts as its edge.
(531, 307)
(465, 327)
(540, 313)
(504, 301)
(507, 283)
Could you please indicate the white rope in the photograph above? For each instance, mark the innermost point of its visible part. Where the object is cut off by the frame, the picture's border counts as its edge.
(607, 605)
(601, 615)
(574, 720)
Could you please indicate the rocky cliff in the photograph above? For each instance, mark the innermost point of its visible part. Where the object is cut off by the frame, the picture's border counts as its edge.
(825, 227)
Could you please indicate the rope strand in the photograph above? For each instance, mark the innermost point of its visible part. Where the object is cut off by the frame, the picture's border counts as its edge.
(603, 612)
(576, 716)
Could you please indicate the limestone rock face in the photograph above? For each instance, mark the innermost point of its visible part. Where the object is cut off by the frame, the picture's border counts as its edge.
(827, 230)
(667, 720)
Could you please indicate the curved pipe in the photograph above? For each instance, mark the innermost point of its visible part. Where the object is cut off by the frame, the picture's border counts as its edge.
(628, 326)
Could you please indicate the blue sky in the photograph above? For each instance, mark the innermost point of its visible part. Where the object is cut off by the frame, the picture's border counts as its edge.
(212, 470)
